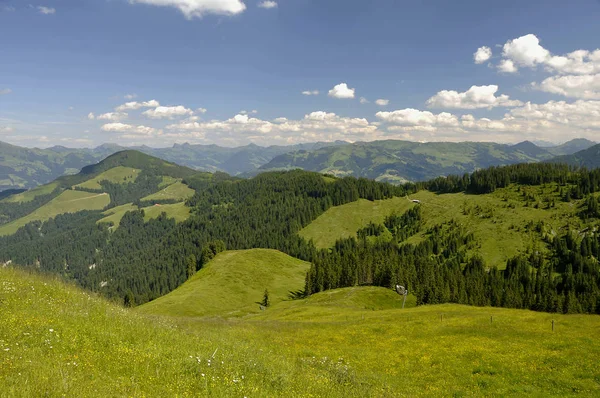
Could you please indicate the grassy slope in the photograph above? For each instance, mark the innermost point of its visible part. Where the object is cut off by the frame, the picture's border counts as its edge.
(500, 230)
(499, 221)
(177, 191)
(117, 174)
(28, 196)
(233, 283)
(179, 211)
(67, 202)
(56, 340)
(344, 221)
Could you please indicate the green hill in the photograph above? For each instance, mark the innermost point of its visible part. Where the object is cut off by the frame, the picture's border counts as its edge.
(67, 202)
(56, 340)
(120, 179)
(345, 220)
(589, 158)
(233, 284)
(401, 161)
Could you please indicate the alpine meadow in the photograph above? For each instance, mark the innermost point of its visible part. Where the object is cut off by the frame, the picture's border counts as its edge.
(251, 198)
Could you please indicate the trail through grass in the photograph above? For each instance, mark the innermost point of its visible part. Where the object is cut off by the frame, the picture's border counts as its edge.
(176, 191)
(67, 202)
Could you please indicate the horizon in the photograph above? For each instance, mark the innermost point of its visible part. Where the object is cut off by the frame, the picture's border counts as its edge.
(287, 72)
(540, 144)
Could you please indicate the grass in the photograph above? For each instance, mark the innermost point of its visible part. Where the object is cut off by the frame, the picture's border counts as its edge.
(117, 174)
(179, 211)
(344, 221)
(67, 202)
(56, 340)
(29, 195)
(505, 223)
(501, 222)
(233, 284)
(176, 191)
(115, 214)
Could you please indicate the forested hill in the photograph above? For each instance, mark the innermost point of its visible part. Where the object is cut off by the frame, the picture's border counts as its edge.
(589, 158)
(29, 167)
(437, 248)
(401, 161)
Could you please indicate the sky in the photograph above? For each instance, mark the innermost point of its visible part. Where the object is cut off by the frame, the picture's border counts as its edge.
(80, 73)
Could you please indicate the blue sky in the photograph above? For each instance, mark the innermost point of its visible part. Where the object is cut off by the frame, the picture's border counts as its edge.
(232, 72)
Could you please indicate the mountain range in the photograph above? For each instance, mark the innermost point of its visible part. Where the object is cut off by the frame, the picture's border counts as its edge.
(392, 161)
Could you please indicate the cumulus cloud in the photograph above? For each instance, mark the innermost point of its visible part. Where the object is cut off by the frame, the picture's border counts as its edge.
(382, 102)
(482, 54)
(411, 118)
(507, 66)
(167, 112)
(267, 4)
(5, 91)
(6, 130)
(198, 8)
(129, 129)
(363, 100)
(201, 110)
(46, 10)
(308, 92)
(574, 86)
(132, 106)
(130, 96)
(315, 126)
(474, 98)
(113, 116)
(91, 116)
(342, 91)
(526, 51)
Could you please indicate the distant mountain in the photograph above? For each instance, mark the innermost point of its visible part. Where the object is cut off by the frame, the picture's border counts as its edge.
(571, 147)
(400, 161)
(25, 168)
(589, 158)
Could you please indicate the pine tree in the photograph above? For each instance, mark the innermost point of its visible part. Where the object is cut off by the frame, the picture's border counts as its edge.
(266, 301)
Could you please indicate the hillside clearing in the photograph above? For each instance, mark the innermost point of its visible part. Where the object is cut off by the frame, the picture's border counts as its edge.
(344, 221)
(179, 211)
(67, 202)
(28, 196)
(119, 174)
(175, 191)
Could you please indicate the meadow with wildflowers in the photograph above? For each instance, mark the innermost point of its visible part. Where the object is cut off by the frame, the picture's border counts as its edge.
(58, 340)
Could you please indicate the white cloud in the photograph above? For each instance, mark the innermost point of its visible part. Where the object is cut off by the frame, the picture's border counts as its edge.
(167, 112)
(363, 100)
(267, 4)
(130, 129)
(574, 86)
(6, 130)
(382, 102)
(198, 8)
(342, 91)
(507, 66)
(482, 54)
(313, 92)
(201, 110)
(71, 108)
(130, 96)
(5, 91)
(46, 10)
(315, 126)
(526, 51)
(415, 118)
(137, 105)
(474, 98)
(113, 116)
(91, 116)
